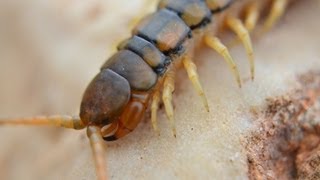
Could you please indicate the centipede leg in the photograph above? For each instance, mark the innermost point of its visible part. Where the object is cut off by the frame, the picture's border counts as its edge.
(216, 44)
(216, 6)
(71, 122)
(252, 15)
(213, 4)
(154, 110)
(98, 150)
(167, 98)
(193, 76)
(237, 26)
(277, 10)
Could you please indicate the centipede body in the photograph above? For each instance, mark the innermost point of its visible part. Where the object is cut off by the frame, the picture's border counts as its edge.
(159, 43)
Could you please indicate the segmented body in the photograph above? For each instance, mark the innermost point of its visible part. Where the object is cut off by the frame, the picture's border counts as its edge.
(144, 66)
(121, 92)
(158, 42)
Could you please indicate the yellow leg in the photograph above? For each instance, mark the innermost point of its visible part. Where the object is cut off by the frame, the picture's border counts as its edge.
(277, 10)
(98, 150)
(193, 76)
(154, 110)
(216, 44)
(236, 25)
(60, 121)
(167, 98)
(252, 15)
(215, 6)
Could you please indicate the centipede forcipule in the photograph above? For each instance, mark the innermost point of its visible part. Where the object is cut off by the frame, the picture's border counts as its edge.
(187, 62)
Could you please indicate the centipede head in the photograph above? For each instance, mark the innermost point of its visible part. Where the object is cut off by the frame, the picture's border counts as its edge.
(104, 99)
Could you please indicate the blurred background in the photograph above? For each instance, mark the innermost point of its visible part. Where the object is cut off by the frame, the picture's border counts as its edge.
(50, 50)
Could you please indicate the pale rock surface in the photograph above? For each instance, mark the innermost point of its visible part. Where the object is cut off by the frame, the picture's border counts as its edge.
(50, 50)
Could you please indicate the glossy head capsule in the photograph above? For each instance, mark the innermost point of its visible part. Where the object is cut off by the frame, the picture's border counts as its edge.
(105, 98)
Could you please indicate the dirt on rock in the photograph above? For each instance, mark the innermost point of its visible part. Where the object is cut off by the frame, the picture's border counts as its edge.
(287, 143)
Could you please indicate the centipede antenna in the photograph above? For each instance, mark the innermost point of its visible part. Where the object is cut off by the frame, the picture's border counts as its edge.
(98, 151)
(252, 15)
(154, 110)
(167, 98)
(277, 10)
(237, 26)
(191, 69)
(72, 122)
(216, 44)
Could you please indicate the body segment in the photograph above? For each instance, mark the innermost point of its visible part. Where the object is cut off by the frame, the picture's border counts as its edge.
(195, 13)
(165, 29)
(133, 68)
(149, 53)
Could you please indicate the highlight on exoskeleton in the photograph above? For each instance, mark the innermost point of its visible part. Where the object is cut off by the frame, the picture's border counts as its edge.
(142, 71)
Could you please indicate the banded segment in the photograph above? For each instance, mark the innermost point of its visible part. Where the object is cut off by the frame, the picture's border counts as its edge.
(165, 29)
(195, 13)
(149, 53)
(133, 68)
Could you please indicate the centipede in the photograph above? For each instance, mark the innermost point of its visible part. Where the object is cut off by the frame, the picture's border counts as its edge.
(140, 76)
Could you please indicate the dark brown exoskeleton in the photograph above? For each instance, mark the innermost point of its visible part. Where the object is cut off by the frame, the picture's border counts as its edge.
(144, 66)
(120, 94)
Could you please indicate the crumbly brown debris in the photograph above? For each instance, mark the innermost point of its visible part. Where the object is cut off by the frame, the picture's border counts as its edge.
(287, 142)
